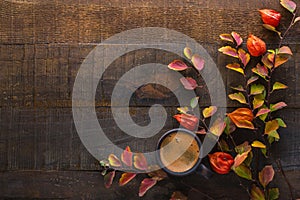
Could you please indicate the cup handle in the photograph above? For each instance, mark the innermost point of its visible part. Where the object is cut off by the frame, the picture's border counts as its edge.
(204, 171)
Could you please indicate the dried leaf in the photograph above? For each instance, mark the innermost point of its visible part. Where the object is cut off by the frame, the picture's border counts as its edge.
(237, 38)
(226, 37)
(281, 123)
(252, 79)
(238, 97)
(210, 111)
(244, 57)
(188, 52)
(140, 161)
(262, 112)
(146, 184)
(242, 118)
(198, 62)
(273, 193)
(108, 178)
(177, 195)
(126, 178)
(177, 65)
(258, 144)
(218, 127)
(279, 86)
(289, 5)
(257, 193)
(266, 61)
(157, 174)
(266, 175)
(277, 106)
(228, 50)
(257, 89)
(239, 88)
(235, 67)
(188, 83)
(271, 126)
(285, 50)
(243, 172)
(194, 102)
(258, 101)
(114, 161)
(126, 156)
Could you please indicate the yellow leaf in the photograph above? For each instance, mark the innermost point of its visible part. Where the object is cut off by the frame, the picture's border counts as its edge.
(258, 144)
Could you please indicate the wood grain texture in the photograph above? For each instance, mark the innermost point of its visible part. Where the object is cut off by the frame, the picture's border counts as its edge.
(43, 44)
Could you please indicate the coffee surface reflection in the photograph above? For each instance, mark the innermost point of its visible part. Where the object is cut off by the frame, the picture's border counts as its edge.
(183, 147)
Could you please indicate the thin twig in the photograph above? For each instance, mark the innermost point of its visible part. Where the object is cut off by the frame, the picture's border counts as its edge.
(278, 162)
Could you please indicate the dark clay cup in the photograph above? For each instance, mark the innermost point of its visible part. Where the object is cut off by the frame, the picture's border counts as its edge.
(179, 153)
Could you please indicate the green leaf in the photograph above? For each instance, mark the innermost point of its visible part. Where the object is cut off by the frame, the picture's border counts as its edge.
(243, 172)
(279, 86)
(285, 50)
(266, 175)
(257, 193)
(277, 106)
(194, 102)
(252, 79)
(198, 62)
(258, 101)
(273, 193)
(229, 51)
(264, 152)
(275, 135)
(187, 52)
(238, 97)
(230, 127)
(208, 112)
(244, 57)
(264, 116)
(237, 38)
(289, 5)
(248, 160)
(262, 111)
(235, 67)
(226, 37)
(281, 123)
(256, 89)
(239, 88)
(271, 126)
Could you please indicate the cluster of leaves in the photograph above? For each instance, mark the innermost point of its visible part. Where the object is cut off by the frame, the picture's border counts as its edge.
(128, 161)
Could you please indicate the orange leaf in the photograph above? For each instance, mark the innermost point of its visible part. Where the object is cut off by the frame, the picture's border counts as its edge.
(140, 161)
(146, 184)
(271, 126)
(126, 156)
(114, 161)
(125, 178)
(242, 118)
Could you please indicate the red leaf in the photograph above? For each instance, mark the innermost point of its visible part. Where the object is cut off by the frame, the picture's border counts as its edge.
(146, 184)
(188, 121)
(188, 83)
(266, 175)
(198, 62)
(277, 106)
(285, 50)
(262, 111)
(228, 50)
(244, 57)
(177, 65)
(237, 38)
(114, 161)
(126, 156)
(108, 178)
(125, 178)
(140, 161)
(289, 5)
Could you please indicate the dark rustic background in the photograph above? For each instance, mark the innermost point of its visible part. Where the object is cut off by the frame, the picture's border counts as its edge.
(43, 43)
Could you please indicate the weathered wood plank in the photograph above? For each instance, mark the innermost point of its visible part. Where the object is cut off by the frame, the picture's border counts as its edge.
(89, 185)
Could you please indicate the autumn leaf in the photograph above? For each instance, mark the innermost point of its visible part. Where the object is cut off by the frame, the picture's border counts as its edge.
(281, 123)
(238, 97)
(188, 83)
(177, 65)
(157, 174)
(228, 50)
(279, 86)
(244, 57)
(244, 147)
(240, 158)
(177, 195)
(183, 110)
(297, 19)
(266, 61)
(108, 179)
(126, 178)
(262, 111)
(243, 172)
(194, 102)
(257, 193)
(266, 175)
(273, 193)
(237, 38)
(235, 67)
(217, 127)
(258, 101)
(126, 156)
(140, 161)
(114, 161)
(258, 144)
(277, 106)
(256, 89)
(260, 70)
(198, 62)
(242, 118)
(239, 88)
(289, 5)
(230, 127)
(226, 37)
(146, 184)
(188, 52)
(210, 111)
(252, 79)
(271, 126)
